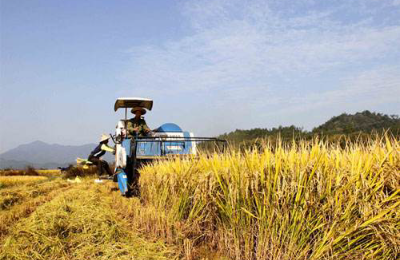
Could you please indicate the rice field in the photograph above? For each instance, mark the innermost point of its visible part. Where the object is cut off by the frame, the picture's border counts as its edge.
(7, 181)
(307, 200)
(310, 200)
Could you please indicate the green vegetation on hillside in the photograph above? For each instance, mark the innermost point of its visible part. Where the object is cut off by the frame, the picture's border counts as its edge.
(353, 126)
(364, 122)
(248, 135)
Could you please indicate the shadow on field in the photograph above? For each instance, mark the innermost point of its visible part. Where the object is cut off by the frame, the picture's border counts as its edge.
(78, 171)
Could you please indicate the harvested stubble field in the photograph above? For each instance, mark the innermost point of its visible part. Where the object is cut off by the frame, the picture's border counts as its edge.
(310, 200)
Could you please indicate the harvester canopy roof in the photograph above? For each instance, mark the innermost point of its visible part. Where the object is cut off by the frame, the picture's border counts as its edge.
(131, 102)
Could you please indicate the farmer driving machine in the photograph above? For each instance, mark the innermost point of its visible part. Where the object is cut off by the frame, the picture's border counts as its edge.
(165, 142)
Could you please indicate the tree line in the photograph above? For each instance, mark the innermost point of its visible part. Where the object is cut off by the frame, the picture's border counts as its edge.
(358, 126)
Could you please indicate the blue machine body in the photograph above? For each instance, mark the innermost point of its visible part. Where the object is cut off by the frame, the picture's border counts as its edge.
(165, 145)
(126, 144)
(168, 128)
(122, 182)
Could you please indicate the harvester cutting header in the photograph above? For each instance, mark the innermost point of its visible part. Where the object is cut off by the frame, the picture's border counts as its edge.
(136, 144)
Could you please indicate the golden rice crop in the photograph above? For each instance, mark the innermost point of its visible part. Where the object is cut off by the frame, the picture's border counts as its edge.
(310, 200)
(7, 181)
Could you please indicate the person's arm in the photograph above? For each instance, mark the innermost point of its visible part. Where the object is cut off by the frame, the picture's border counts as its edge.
(107, 148)
(145, 128)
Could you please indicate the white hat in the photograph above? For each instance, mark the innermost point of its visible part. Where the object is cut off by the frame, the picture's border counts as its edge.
(138, 108)
(104, 137)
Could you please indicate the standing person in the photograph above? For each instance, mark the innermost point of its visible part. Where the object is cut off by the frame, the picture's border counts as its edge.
(137, 126)
(98, 152)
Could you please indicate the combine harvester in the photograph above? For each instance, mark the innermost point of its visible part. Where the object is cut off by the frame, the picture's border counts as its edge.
(166, 141)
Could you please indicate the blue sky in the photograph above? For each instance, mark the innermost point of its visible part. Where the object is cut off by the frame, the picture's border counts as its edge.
(211, 66)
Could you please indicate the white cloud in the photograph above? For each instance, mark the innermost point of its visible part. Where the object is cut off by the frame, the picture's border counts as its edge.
(260, 50)
(396, 3)
(366, 88)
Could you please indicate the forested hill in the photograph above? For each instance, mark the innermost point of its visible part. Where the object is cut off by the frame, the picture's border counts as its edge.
(365, 122)
(248, 135)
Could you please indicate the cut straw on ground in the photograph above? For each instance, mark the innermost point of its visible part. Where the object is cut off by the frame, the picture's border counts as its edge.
(78, 225)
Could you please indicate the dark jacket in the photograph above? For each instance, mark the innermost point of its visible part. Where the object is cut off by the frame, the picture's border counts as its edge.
(97, 152)
(100, 150)
(139, 123)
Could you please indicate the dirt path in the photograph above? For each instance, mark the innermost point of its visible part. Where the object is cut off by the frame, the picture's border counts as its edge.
(79, 223)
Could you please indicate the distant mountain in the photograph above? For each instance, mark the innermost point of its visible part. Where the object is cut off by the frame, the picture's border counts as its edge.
(13, 164)
(42, 155)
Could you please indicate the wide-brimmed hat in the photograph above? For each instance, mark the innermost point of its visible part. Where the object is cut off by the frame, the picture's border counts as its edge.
(138, 109)
(104, 137)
